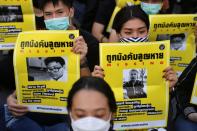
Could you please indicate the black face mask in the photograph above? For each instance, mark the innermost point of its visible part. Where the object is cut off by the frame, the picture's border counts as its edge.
(40, 23)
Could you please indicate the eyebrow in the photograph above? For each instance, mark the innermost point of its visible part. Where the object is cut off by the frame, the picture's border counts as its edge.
(61, 9)
(83, 110)
(137, 28)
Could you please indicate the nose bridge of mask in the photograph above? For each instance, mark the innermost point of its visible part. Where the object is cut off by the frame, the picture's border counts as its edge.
(90, 124)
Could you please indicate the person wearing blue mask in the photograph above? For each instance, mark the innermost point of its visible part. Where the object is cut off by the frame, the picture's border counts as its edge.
(151, 6)
(57, 16)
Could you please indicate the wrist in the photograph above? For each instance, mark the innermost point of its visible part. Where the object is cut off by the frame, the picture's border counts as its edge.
(83, 63)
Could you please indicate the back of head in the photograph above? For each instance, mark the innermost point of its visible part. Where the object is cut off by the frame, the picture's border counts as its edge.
(127, 13)
(93, 83)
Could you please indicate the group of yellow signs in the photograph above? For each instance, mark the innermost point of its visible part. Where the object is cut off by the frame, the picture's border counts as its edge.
(148, 59)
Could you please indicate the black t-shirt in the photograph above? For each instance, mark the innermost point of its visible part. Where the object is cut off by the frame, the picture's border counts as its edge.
(93, 49)
(185, 85)
(99, 11)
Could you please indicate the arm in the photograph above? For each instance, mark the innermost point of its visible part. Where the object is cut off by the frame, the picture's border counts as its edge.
(80, 47)
(13, 106)
(103, 13)
(97, 32)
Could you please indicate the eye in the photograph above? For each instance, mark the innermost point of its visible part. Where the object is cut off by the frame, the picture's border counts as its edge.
(80, 116)
(142, 31)
(99, 116)
(60, 12)
(128, 33)
(47, 14)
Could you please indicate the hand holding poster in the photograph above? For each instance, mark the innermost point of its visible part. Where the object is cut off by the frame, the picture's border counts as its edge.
(15, 16)
(179, 29)
(141, 92)
(45, 69)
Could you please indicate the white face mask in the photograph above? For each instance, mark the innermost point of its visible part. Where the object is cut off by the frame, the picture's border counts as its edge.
(90, 124)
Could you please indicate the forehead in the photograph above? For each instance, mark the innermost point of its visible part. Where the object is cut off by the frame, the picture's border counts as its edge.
(81, 100)
(50, 6)
(152, 1)
(134, 24)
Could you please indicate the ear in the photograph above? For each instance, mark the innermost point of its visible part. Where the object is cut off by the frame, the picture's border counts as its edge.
(72, 11)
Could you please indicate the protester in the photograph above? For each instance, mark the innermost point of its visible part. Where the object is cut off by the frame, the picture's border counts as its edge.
(149, 7)
(187, 117)
(131, 24)
(91, 105)
(58, 15)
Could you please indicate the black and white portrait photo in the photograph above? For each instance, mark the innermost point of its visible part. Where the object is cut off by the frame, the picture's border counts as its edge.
(134, 83)
(177, 41)
(11, 13)
(47, 69)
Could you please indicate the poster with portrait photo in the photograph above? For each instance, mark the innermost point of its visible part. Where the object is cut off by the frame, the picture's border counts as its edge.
(135, 83)
(47, 68)
(177, 41)
(11, 13)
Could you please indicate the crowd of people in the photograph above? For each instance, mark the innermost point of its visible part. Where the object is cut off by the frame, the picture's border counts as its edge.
(91, 17)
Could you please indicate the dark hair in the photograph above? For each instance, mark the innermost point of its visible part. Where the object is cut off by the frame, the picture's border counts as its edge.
(182, 35)
(56, 59)
(43, 3)
(36, 3)
(127, 13)
(93, 83)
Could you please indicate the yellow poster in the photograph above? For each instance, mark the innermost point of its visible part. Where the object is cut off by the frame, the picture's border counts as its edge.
(45, 69)
(179, 29)
(15, 16)
(194, 93)
(134, 71)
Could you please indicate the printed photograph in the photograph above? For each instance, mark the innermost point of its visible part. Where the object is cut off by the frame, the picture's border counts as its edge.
(11, 13)
(177, 41)
(134, 83)
(47, 69)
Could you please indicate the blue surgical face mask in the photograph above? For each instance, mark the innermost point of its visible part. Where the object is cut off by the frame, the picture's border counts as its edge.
(151, 8)
(134, 39)
(61, 23)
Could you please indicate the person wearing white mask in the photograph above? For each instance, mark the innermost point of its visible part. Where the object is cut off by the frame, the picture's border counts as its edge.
(91, 105)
